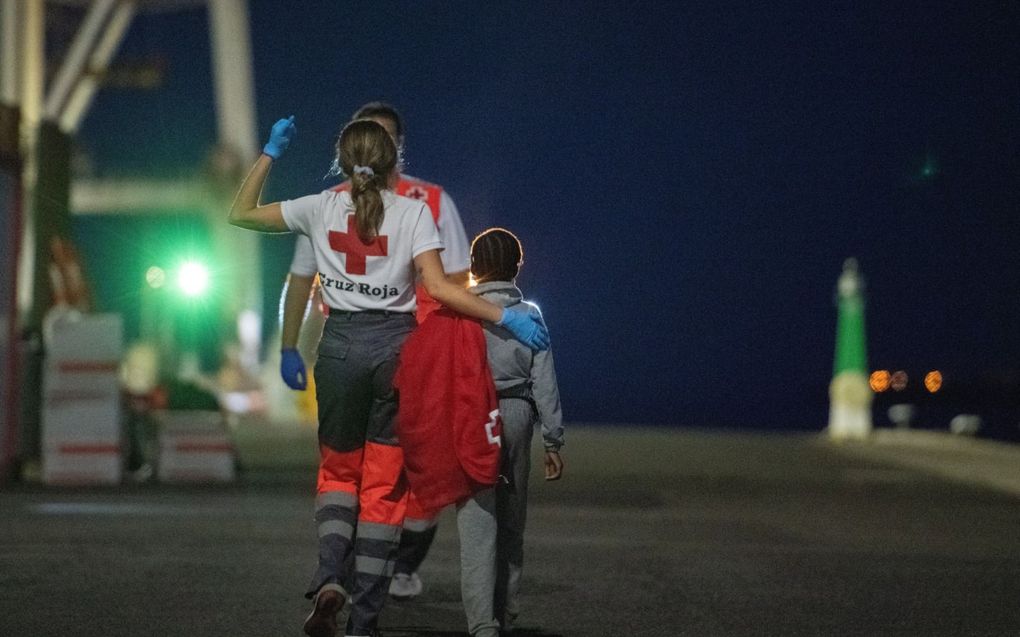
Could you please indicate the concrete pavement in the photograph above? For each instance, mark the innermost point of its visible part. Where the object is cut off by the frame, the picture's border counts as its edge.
(651, 532)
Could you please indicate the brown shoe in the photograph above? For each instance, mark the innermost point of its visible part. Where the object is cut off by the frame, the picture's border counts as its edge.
(322, 621)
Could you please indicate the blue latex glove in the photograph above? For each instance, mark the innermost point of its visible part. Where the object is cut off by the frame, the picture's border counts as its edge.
(292, 369)
(526, 329)
(279, 138)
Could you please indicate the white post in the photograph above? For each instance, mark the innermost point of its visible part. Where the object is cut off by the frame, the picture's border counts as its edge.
(33, 62)
(33, 65)
(238, 250)
(232, 74)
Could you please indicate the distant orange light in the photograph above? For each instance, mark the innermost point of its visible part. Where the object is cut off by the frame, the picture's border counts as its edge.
(898, 381)
(879, 381)
(933, 381)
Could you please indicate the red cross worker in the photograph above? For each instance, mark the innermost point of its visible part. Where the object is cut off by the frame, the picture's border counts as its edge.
(361, 491)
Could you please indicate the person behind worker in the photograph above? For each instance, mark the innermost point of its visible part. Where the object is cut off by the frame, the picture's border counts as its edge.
(491, 523)
(369, 245)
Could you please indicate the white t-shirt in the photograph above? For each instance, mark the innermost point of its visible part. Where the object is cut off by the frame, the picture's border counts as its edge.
(355, 276)
(456, 256)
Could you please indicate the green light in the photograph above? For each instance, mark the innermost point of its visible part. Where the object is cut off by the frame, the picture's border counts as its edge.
(193, 278)
(155, 277)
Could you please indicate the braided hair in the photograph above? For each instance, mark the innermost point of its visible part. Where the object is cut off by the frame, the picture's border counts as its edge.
(366, 152)
(496, 255)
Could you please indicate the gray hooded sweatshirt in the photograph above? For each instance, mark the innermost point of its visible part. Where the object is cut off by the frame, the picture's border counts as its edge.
(514, 363)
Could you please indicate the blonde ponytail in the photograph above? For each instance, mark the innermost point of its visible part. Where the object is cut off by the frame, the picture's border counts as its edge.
(366, 152)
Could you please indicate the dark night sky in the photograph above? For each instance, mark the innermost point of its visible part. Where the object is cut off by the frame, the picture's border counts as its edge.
(687, 180)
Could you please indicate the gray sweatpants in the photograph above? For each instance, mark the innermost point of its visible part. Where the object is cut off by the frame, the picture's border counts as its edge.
(491, 528)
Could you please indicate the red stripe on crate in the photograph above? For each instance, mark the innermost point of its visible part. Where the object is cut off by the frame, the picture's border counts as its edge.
(200, 447)
(88, 449)
(72, 366)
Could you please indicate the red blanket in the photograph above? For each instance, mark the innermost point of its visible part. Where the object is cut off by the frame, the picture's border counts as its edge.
(448, 419)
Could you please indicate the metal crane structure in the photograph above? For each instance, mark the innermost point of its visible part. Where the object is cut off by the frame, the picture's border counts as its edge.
(40, 114)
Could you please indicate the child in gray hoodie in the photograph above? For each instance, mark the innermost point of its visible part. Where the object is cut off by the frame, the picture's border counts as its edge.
(491, 523)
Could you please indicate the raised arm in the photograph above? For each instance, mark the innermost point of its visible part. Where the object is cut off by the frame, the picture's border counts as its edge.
(523, 327)
(246, 211)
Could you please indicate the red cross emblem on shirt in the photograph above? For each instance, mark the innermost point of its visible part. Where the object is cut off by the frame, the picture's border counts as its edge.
(417, 192)
(354, 248)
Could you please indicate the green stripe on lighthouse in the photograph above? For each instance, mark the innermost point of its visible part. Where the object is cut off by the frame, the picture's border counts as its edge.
(851, 340)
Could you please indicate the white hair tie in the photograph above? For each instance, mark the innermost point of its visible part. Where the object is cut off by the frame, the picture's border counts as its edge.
(364, 170)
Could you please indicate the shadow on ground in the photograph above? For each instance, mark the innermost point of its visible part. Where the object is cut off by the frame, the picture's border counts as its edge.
(418, 631)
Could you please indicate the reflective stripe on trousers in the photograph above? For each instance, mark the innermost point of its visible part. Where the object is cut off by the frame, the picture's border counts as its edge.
(359, 518)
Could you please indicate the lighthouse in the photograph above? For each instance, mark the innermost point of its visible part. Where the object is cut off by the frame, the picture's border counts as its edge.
(849, 394)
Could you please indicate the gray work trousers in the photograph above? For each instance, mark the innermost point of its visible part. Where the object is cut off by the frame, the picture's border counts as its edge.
(491, 529)
(361, 486)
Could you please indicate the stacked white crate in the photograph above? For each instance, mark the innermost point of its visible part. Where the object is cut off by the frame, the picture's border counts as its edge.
(81, 433)
(194, 446)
